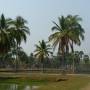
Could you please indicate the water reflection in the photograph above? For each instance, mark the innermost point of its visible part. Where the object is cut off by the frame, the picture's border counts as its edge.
(27, 88)
(17, 87)
(13, 87)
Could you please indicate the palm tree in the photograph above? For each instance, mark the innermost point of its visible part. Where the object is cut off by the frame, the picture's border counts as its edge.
(12, 33)
(20, 31)
(31, 60)
(76, 32)
(42, 51)
(60, 37)
(68, 32)
(5, 40)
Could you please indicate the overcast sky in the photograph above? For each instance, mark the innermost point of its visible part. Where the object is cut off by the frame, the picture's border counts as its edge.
(41, 13)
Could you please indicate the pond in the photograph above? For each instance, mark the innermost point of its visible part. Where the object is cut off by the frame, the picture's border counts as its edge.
(17, 87)
(19, 84)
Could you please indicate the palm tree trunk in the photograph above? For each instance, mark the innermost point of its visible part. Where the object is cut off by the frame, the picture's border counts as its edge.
(43, 65)
(73, 64)
(67, 49)
(72, 47)
(63, 59)
(61, 51)
(16, 61)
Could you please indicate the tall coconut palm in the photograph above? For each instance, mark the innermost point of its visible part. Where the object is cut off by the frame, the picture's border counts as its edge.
(42, 51)
(5, 40)
(20, 31)
(60, 37)
(68, 32)
(76, 32)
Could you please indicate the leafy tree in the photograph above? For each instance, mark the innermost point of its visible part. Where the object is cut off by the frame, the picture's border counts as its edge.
(31, 60)
(86, 59)
(81, 53)
(22, 57)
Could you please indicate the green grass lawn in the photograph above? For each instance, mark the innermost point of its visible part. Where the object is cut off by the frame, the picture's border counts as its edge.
(47, 81)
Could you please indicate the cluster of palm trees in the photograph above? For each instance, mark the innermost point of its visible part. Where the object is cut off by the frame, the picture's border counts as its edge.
(67, 33)
(12, 33)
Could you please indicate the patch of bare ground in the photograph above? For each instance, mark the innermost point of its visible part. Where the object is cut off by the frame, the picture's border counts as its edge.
(87, 87)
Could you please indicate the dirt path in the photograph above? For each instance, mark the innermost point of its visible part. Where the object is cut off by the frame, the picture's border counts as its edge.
(87, 87)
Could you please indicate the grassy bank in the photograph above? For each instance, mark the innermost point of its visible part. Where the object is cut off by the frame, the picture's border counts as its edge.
(73, 83)
(47, 81)
(33, 77)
